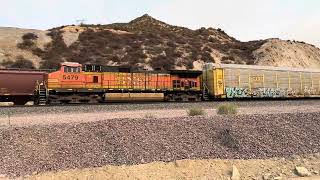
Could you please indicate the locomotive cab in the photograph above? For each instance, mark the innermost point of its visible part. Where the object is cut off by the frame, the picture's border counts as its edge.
(69, 76)
(70, 67)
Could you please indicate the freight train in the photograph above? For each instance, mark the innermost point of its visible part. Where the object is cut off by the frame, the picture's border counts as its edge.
(76, 83)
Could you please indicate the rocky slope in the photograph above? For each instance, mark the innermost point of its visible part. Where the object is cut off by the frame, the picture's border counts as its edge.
(146, 43)
(276, 52)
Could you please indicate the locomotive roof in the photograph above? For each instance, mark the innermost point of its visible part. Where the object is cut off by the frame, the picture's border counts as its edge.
(129, 69)
(240, 66)
(73, 64)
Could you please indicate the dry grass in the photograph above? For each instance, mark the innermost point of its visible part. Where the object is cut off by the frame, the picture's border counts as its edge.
(149, 116)
(196, 112)
(226, 109)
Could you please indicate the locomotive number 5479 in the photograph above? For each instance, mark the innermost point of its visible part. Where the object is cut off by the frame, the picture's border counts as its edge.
(70, 77)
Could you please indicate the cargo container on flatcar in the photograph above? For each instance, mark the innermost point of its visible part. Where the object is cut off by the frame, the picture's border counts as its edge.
(244, 81)
(18, 86)
(74, 84)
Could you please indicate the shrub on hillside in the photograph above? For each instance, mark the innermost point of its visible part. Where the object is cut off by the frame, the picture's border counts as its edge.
(28, 41)
(225, 58)
(206, 56)
(20, 63)
(162, 63)
(50, 64)
(29, 36)
(189, 64)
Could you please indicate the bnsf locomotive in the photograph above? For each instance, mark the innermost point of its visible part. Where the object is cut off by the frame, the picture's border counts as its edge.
(75, 83)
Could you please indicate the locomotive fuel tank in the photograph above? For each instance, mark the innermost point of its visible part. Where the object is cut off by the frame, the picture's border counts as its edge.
(111, 97)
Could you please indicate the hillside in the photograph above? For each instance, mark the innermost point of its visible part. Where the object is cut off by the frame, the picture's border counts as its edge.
(10, 37)
(146, 43)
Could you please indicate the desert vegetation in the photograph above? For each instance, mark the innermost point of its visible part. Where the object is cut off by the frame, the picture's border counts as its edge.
(226, 109)
(20, 63)
(28, 41)
(196, 112)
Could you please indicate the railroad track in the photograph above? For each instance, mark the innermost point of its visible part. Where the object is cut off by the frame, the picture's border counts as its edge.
(162, 102)
(125, 106)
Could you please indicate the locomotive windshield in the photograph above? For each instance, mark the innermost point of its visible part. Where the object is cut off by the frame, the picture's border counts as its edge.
(69, 69)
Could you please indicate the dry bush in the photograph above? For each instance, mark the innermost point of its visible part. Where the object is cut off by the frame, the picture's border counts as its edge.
(206, 56)
(212, 40)
(206, 48)
(196, 112)
(162, 63)
(149, 116)
(27, 44)
(189, 64)
(29, 36)
(225, 58)
(20, 63)
(226, 109)
(194, 53)
(54, 51)
(28, 41)
(50, 64)
(171, 44)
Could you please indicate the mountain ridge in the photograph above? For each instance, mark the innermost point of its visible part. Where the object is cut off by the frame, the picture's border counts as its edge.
(147, 43)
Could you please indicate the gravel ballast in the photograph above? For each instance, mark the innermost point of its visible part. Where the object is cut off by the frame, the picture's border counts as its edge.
(112, 107)
(25, 150)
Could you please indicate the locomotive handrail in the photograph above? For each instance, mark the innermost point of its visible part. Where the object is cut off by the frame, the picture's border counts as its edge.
(38, 85)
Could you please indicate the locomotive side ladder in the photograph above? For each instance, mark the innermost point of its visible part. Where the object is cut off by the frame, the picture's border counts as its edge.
(42, 94)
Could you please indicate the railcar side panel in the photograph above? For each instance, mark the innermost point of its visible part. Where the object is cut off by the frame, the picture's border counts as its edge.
(262, 82)
(19, 86)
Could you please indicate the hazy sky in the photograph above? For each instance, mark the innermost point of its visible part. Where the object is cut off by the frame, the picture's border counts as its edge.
(243, 19)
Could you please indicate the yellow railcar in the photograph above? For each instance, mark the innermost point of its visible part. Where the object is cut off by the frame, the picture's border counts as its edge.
(246, 81)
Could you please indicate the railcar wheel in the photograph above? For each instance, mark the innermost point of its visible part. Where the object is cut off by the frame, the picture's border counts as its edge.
(184, 97)
(169, 98)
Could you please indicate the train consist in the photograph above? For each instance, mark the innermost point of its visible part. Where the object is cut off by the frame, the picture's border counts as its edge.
(75, 83)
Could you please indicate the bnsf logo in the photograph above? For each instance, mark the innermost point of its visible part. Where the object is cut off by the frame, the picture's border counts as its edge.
(70, 77)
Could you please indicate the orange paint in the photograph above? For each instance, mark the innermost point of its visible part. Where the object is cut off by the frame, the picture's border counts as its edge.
(71, 76)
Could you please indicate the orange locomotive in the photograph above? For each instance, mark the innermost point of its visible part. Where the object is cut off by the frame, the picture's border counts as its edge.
(93, 84)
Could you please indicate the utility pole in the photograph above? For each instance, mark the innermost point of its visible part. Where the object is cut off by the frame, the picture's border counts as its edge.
(80, 21)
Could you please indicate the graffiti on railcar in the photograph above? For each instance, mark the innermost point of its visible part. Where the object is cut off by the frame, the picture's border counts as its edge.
(259, 92)
(310, 91)
(237, 92)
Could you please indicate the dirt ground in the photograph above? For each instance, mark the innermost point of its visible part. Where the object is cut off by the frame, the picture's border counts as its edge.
(193, 169)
